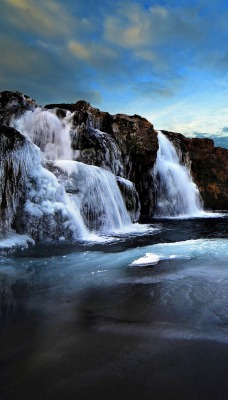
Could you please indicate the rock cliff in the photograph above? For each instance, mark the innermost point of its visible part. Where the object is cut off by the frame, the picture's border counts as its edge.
(12, 189)
(14, 104)
(125, 145)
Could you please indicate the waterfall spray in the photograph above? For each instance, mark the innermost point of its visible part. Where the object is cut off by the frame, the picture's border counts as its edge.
(176, 195)
(48, 132)
(76, 197)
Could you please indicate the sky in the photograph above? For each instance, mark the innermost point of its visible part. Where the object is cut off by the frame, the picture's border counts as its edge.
(164, 60)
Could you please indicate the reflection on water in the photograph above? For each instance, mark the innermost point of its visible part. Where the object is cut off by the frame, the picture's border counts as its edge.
(167, 254)
(79, 317)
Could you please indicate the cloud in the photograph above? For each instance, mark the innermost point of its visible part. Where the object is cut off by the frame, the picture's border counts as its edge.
(98, 56)
(219, 141)
(42, 74)
(166, 62)
(79, 50)
(225, 129)
(18, 58)
(133, 26)
(147, 55)
(155, 89)
(129, 28)
(46, 18)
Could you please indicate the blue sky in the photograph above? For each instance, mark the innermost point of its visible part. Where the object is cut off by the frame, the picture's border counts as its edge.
(164, 60)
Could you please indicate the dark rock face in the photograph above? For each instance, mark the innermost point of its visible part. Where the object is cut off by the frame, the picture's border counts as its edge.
(69, 107)
(126, 145)
(14, 104)
(131, 198)
(12, 188)
(210, 172)
(209, 168)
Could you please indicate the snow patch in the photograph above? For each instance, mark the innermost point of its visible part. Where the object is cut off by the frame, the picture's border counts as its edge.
(14, 240)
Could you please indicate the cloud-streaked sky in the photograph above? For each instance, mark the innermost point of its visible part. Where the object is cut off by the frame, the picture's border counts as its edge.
(165, 60)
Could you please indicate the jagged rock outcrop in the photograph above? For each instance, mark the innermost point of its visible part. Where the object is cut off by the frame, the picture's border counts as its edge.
(14, 149)
(14, 104)
(209, 168)
(131, 198)
(126, 145)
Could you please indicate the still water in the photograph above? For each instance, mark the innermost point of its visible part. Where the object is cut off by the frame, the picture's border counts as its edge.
(143, 315)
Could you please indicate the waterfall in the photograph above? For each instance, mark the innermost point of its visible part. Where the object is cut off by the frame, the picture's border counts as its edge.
(176, 195)
(69, 199)
(96, 192)
(48, 132)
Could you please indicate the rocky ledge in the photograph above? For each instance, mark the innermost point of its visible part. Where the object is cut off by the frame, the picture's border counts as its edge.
(127, 146)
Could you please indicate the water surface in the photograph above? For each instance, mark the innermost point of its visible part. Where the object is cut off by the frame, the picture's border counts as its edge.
(90, 320)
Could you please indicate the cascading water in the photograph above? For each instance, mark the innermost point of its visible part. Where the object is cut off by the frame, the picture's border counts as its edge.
(97, 195)
(48, 132)
(95, 202)
(176, 195)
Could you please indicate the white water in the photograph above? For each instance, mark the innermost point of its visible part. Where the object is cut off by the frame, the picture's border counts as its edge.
(84, 198)
(49, 210)
(97, 194)
(176, 193)
(48, 132)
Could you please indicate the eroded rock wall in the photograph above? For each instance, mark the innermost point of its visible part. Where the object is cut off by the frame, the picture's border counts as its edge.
(14, 104)
(14, 149)
(126, 145)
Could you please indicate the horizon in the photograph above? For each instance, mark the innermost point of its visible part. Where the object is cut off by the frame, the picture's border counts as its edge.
(165, 61)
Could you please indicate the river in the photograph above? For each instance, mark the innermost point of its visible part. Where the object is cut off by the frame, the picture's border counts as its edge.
(141, 316)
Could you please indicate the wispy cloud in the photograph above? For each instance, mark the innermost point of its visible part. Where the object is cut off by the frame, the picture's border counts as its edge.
(134, 26)
(46, 18)
(79, 50)
(164, 60)
(26, 60)
(91, 52)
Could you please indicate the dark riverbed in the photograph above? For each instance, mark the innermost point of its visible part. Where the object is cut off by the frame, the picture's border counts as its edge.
(80, 321)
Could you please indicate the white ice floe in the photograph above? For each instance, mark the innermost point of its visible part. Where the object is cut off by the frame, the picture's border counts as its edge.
(14, 240)
(148, 259)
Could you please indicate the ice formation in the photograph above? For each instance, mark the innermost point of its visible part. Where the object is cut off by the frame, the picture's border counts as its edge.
(62, 198)
(33, 200)
(96, 193)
